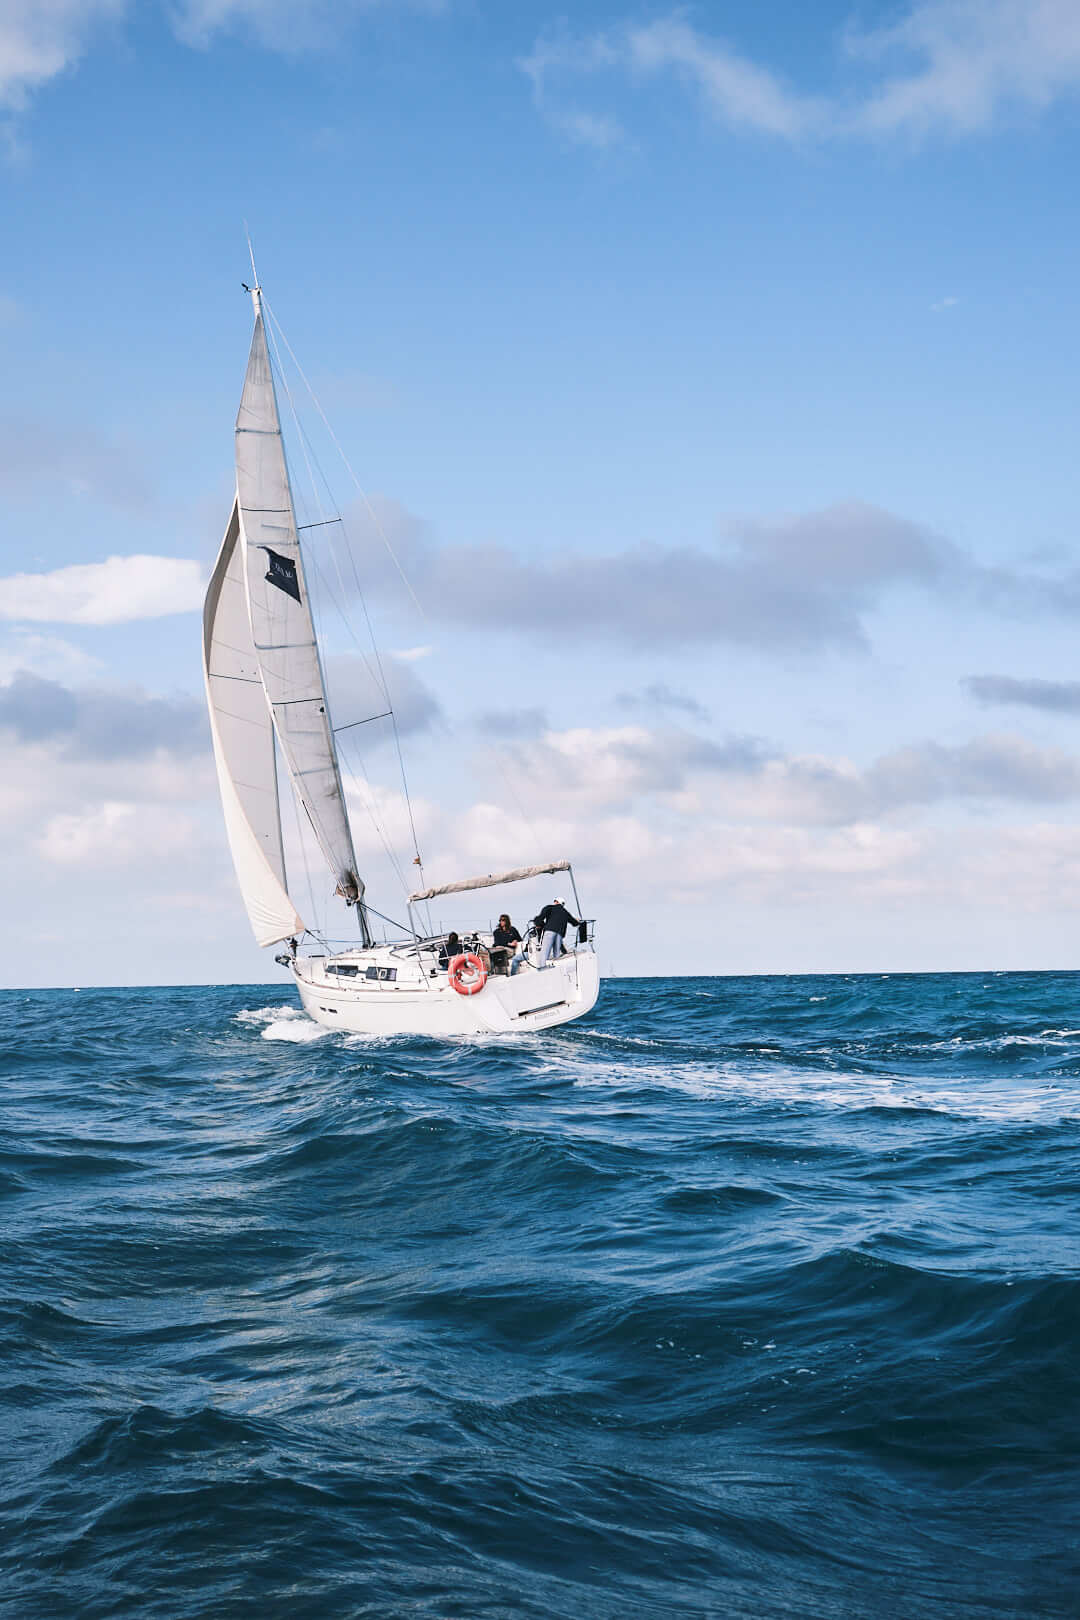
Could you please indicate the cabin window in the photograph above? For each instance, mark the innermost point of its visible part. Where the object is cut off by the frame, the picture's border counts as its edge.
(386, 975)
(343, 969)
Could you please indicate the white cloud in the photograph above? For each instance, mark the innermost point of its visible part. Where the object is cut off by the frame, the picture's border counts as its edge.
(945, 66)
(972, 58)
(40, 38)
(738, 92)
(49, 656)
(554, 55)
(114, 834)
(110, 592)
(744, 781)
(286, 25)
(694, 827)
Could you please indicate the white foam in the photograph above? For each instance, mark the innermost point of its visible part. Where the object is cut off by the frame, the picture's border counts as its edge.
(282, 1023)
(299, 1031)
(1002, 1043)
(1003, 1101)
(263, 1015)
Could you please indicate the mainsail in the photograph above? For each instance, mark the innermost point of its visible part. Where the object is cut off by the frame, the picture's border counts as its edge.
(243, 736)
(281, 625)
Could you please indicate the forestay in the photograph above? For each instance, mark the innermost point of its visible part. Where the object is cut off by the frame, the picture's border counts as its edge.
(281, 623)
(243, 738)
(491, 881)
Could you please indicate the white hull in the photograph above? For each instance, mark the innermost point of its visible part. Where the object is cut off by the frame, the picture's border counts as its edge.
(419, 1004)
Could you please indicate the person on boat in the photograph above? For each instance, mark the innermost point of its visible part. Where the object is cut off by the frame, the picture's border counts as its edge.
(450, 948)
(504, 939)
(551, 925)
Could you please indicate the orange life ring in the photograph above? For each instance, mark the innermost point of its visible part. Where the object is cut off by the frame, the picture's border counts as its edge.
(467, 974)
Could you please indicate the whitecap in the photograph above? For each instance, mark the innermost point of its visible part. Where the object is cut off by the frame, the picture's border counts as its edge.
(282, 1023)
(264, 1015)
(299, 1030)
(844, 1091)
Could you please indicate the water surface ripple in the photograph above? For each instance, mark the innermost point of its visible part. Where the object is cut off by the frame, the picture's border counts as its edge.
(741, 1297)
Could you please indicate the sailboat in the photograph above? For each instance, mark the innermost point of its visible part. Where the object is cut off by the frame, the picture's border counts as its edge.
(267, 698)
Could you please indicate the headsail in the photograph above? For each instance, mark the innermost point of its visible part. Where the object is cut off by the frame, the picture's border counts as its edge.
(243, 736)
(281, 623)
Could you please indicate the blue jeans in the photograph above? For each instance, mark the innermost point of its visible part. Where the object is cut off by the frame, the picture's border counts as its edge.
(551, 945)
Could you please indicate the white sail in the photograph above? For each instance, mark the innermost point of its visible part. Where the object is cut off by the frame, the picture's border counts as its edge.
(281, 623)
(243, 737)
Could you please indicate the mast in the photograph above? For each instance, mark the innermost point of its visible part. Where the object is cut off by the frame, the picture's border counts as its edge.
(283, 631)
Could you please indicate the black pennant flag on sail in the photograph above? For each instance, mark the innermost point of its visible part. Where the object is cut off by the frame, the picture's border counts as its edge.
(281, 571)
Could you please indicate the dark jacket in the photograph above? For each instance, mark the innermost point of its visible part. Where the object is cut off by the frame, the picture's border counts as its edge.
(506, 936)
(556, 919)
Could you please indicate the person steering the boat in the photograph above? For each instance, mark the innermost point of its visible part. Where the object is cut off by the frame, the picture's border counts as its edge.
(551, 925)
(504, 939)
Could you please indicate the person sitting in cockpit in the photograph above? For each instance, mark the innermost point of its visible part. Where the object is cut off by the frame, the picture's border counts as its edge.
(503, 941)
(450, 948)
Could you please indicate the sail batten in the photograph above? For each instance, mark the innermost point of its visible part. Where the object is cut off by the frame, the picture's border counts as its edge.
(282, 629)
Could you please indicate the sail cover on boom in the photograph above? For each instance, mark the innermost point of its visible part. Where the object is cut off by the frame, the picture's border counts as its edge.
(243, 737)
(281, 623)
(490, 880)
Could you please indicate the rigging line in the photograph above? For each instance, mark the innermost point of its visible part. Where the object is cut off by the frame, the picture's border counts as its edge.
(354, 723)
(355, 572)
(324, 523)
(500, 764)
(317, 605)
(371, 805)
(348, 465)
(303, 446)
(311, 457)
(495, 755)
(308, 454)
(405, 929)
(385, 685)
(369, 802)
(382, 535)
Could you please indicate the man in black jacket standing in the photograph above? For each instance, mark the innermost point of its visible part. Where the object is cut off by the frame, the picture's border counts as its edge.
(551, 925)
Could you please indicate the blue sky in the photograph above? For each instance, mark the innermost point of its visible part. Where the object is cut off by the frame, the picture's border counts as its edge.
(712, 370)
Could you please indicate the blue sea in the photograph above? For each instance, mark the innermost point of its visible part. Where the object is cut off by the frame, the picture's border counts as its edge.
(741, 1297)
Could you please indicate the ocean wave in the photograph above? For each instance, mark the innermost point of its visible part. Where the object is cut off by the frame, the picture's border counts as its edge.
(754, 1297)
